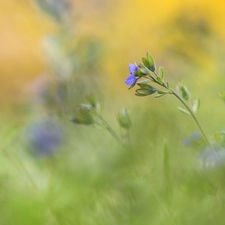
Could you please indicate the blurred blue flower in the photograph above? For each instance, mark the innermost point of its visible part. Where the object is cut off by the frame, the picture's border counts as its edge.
(45, 137)
(132, 78)
(194, 137)
(212, 158)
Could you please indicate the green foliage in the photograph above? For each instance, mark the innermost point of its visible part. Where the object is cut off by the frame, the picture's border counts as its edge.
(151, 62)
(161, 73)
(160, 181)
(146, 63)
(95, 180)
(222, 95)
(196, 105)
(185, 111)
(145, 89)
(83, 115)
(220, 137)
(184, 91)
(57, 9)
(124, 119)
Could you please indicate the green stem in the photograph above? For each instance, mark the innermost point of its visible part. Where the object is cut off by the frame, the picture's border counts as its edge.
(193, 116)
(110, 130)
(195, 119)
(186, 106)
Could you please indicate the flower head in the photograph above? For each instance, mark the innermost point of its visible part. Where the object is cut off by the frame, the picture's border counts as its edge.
(212, 157)
(44, 136)
(192, 139)
(132, 68)
(124, 119)
(132, 78)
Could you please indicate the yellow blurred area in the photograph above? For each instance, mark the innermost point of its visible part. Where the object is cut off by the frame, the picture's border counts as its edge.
(21, 55)
(156, 26)
(127, 28)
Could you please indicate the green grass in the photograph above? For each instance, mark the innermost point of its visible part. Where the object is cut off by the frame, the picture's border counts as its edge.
(93, 180)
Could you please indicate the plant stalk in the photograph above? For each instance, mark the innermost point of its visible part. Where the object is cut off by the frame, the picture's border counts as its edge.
(110, 130)
(193, 116)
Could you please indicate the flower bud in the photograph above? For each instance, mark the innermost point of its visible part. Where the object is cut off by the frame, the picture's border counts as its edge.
(184, 91)
(124, 119)
(83, 116)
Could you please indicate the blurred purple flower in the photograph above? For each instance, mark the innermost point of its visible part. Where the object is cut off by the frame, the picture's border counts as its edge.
(45, 137)
(38, 90)
(132, 68)
(212, 158)
(132, 78)
(194, 137)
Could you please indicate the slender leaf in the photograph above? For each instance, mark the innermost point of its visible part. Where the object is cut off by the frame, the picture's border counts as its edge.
(196, 105)
(183, 110)
(161, 73)
(146, 63)
(151, 62)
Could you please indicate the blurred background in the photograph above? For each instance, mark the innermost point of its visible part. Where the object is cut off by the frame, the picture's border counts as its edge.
(53, 53)
(187, 33)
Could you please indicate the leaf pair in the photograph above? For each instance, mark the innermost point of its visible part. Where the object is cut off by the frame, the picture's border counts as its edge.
(195, 107)
(149, 62)
(145, 90)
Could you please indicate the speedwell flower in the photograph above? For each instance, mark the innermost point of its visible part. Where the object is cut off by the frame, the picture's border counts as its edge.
(132, 78)
(132, 68)
(45, 136)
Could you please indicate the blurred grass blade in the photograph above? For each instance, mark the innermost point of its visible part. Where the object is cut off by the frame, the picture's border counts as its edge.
(166, 162)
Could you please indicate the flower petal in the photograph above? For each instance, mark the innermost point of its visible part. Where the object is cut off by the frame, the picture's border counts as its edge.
(130, 80)
(132, 68)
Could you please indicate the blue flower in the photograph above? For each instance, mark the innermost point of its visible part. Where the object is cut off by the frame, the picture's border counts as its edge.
(192, 139)
(132, 68)
(132, 78)
(45, 136)
(212, 158)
